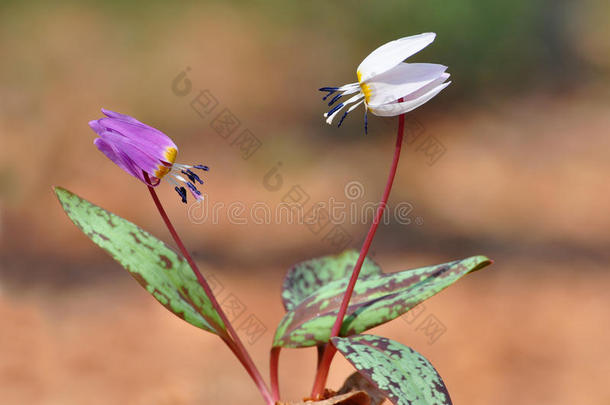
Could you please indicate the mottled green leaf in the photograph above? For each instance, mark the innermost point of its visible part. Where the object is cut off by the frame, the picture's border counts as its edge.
(405, 376)
(376, 300)
(161, 271)
(305, 278)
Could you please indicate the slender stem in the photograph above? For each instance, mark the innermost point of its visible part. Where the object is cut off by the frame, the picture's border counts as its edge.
(323, 369)
(233, 341)
(330, 351)
(274, 361)
(320, 349)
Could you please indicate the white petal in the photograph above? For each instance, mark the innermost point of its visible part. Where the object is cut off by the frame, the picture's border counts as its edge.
(417, 94)
(411, 102)
(391, 54)
(403, 79)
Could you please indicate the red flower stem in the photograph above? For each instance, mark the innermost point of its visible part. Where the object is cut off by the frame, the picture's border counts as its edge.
(233, 340)
(274, 361)
(320, 349)
(329, 352)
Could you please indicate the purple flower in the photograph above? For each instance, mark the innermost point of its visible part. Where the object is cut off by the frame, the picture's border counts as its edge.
(144, 152)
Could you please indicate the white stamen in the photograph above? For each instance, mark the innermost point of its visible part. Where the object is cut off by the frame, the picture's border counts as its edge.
(352, 108)
(329, 119)
(177, 176)
(350, 91)
(348, 86)
(174, 182)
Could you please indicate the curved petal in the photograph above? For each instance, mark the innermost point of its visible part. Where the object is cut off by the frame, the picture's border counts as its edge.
(143, 135)
(403, 79)
(417, 94)
(124, 117)
(142, 159)
(391, 54)
(96, 126)
(119, 159)
(413, 100)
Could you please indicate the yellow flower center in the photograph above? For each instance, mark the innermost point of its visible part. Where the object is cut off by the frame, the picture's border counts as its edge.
(366, 90)
(170, 158)
(170, 154)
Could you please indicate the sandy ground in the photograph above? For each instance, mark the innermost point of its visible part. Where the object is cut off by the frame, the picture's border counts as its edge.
(508, 337)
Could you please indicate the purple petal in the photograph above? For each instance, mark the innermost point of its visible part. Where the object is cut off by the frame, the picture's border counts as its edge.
(119, 159)
(113, 114)
(144, 160)
(143, 135)
(96, 126)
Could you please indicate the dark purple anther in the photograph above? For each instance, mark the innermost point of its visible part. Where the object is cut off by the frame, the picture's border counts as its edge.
(334, 99)
(181, 192)
(192, 176)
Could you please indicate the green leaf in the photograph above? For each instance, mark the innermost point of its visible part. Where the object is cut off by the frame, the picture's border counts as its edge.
(405, 376)
(376, 300)
(161, 271)
(305, 278)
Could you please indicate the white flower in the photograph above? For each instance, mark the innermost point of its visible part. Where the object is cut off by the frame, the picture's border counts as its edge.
(383, 78)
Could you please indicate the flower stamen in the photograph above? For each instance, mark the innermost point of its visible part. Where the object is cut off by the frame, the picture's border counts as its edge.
(334, 99)
(334, 109)
(192, 176)
(193, 189)
(176, 178)
(330, 90)
(349, 110)
(181, 192)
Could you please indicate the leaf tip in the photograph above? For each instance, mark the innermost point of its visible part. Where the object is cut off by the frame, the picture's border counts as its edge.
(59, 191)
(481, 262)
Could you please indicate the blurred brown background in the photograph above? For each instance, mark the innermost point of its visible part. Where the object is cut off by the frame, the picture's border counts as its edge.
(511, 161)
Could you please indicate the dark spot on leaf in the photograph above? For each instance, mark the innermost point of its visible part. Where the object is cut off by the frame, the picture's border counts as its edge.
(135, 237)
(141, 280)
(166, 262)
(101, 235)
